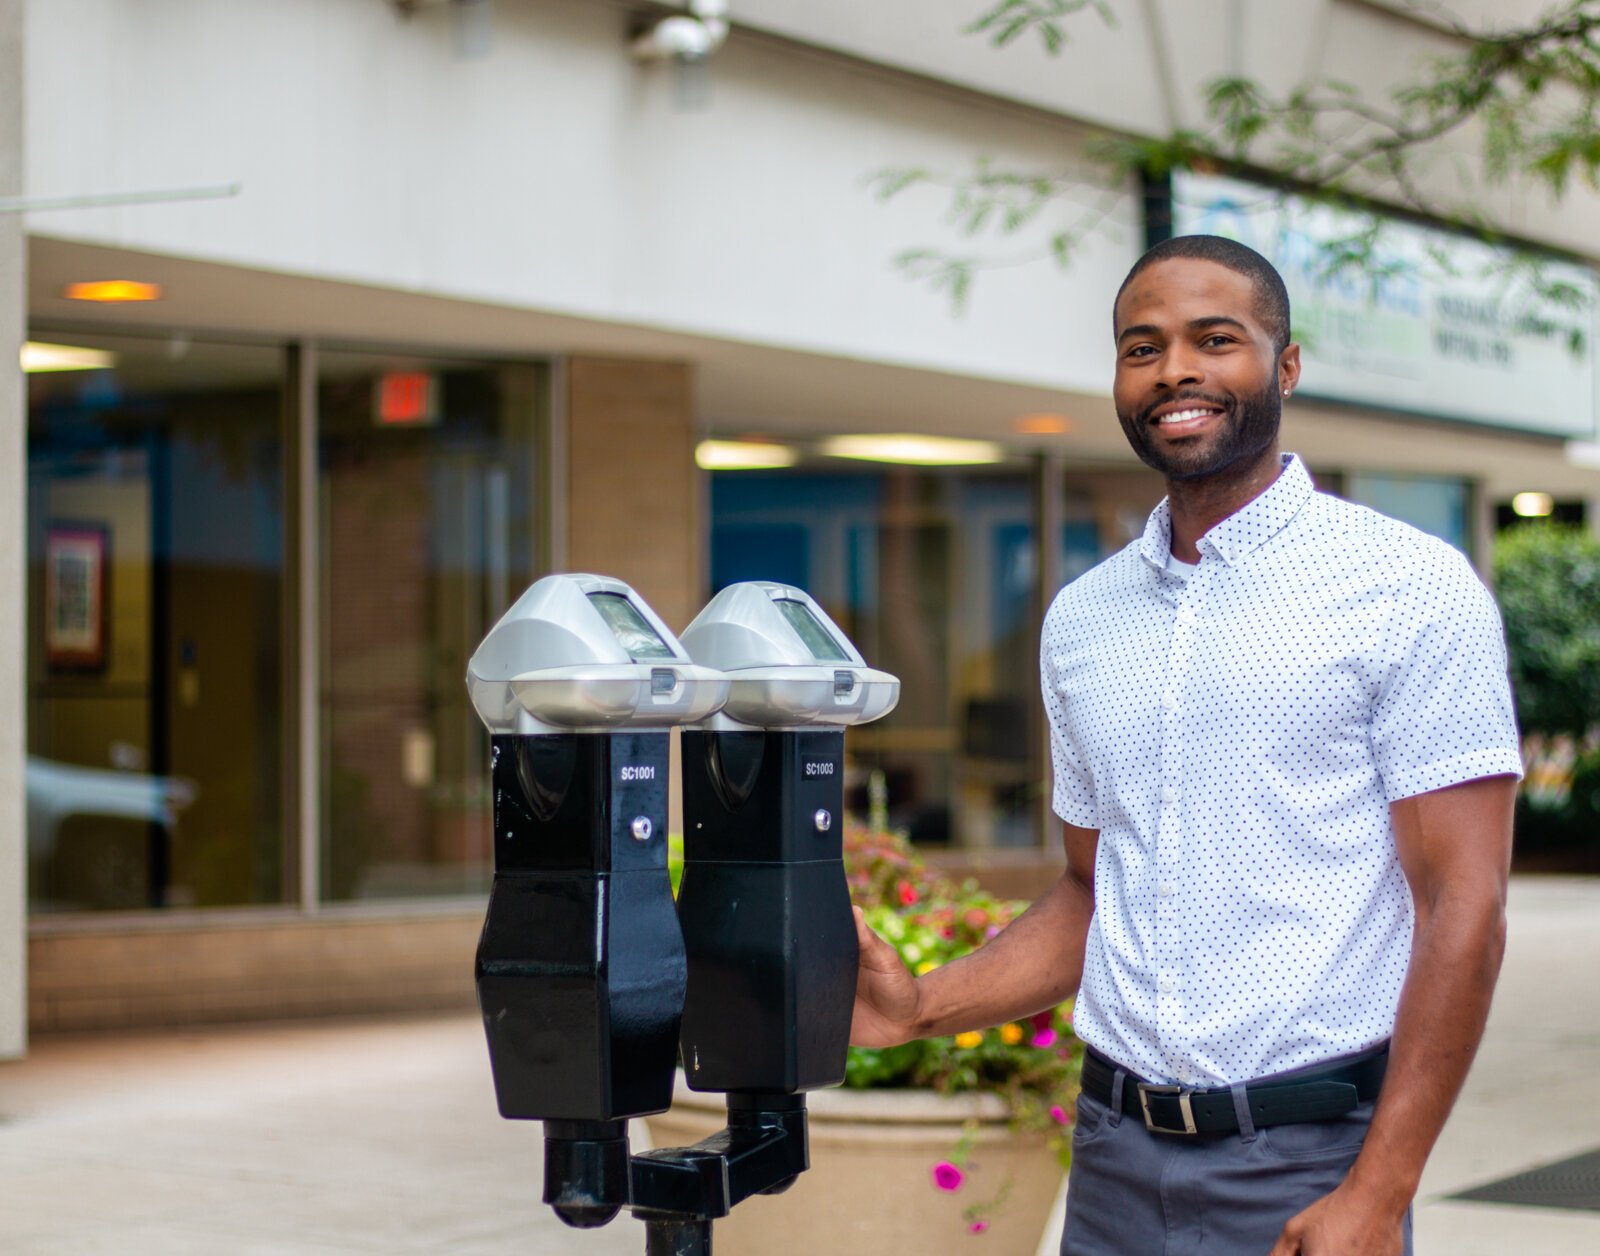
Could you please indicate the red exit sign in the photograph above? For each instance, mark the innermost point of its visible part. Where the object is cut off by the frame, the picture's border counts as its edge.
(406, 399)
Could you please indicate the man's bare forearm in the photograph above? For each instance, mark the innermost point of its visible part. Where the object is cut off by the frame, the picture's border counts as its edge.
(1035, 963)
(1455, 960)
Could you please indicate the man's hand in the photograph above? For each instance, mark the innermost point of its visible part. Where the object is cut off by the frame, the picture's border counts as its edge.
(1035, 962)
(1342, 1224)
(887, 999)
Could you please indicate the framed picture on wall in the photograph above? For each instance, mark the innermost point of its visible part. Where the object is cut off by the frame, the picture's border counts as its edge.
(77, 579)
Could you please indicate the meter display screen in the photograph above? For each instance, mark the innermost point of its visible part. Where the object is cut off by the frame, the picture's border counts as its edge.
(632, 631)
(817, 638)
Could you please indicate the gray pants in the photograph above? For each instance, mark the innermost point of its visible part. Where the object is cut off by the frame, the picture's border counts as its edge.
(1134, 1193)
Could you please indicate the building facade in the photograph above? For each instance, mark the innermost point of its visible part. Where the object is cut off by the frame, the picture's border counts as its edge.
(442, 307)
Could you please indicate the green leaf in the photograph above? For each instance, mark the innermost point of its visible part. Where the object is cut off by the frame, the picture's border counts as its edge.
(887, 184)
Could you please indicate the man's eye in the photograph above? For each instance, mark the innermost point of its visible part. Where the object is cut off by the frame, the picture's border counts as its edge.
(1141, 351)
(1218, 339)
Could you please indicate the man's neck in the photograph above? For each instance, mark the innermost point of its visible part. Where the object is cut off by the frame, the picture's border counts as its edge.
(1198, 505)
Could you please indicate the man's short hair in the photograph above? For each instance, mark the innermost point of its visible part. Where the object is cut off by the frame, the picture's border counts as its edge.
(1272, 298)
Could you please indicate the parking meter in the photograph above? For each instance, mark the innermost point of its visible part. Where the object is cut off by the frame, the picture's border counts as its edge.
(581, 968)
(764, 904)
(585, 975)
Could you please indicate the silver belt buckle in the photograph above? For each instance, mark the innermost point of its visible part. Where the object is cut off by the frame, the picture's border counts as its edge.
(1146, 1089)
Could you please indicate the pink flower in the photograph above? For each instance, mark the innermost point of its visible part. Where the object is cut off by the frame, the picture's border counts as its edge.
(946, 1177)
(977, 1227)
(1044, 1038)
(992, 932)
(1060, 1115)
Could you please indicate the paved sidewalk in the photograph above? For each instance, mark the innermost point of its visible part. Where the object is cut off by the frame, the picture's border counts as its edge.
(331, 1140)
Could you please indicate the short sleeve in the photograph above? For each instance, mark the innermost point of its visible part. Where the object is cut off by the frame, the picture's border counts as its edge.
(1444, 713)
(1073, 798)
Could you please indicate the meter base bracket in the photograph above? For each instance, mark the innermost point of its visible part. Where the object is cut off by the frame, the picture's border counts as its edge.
(679, 1191)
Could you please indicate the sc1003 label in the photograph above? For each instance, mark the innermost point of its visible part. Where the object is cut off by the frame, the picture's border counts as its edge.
(823, 768)
(640, 772)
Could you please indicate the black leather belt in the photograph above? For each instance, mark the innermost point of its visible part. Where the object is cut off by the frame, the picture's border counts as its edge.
(1318, 1093)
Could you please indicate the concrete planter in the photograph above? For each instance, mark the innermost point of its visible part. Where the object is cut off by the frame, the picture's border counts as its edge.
(870, 1187)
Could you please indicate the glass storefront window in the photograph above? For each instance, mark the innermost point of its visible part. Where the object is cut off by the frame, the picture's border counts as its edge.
(427, 531)
(931, 573)
(155, 585)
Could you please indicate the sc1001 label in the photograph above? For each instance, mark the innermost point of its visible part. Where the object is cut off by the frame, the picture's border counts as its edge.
(639, 772)
(823, 768)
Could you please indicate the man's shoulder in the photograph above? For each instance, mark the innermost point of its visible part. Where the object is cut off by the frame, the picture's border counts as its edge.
(1371, 534)
(1099, 588)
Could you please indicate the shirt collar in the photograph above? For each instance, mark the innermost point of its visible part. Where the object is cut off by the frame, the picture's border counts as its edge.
(1243, 531)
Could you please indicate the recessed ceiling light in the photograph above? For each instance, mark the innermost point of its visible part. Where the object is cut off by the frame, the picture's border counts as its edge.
(917, 450)
(1533, 505)
(112, 290)
(743, 455)
(1042, 424)
(38, 358)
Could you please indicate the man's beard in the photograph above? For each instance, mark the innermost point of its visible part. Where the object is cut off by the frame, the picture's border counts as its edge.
(1249, 426)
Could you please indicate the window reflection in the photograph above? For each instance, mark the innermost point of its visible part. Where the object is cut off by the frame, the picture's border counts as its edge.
(931, 573)
(154, 594)
(426, 535)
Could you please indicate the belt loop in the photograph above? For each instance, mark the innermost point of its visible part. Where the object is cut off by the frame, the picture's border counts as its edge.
(1241, 1112)
(1115, 1115)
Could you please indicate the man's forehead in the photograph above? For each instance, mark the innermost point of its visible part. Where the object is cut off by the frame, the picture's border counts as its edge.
(1176, 283)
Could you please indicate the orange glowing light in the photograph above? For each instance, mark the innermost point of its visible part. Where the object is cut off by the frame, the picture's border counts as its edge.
(112, 290)
(405, 398)
(1043, 424)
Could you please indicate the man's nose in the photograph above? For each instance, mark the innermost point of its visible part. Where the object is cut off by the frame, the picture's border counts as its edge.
(1180, 366)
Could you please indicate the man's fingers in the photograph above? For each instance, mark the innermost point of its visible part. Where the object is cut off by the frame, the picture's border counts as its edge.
(1288, 1243)
(875, 952)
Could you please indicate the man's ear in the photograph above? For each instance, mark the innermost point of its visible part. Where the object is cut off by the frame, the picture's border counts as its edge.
(1289, 369)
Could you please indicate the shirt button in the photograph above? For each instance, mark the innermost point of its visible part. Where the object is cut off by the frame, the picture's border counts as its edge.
(1169, 794)
(1169, 702)
(1164, 890)
(1186, 615)
(1166, 987)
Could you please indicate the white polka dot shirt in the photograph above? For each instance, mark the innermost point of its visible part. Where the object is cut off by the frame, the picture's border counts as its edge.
(1236, 733)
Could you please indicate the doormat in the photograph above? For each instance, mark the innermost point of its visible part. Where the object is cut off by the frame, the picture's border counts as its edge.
(1571, 1183)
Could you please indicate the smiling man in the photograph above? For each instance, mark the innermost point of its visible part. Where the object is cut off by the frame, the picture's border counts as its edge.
(1285, 761)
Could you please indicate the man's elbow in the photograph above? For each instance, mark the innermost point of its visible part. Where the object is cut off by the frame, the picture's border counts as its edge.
(1474, 922)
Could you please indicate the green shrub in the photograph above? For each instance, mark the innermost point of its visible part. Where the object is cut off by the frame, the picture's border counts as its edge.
(1547, 581)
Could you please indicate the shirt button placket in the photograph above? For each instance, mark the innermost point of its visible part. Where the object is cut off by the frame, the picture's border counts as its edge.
(1169, 823)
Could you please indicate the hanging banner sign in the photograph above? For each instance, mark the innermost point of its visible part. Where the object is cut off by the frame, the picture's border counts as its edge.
(1441, 325)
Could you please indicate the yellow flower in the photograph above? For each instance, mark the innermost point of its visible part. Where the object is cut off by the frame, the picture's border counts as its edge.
(927, 966)
(1011, 1034)
(969, 1040)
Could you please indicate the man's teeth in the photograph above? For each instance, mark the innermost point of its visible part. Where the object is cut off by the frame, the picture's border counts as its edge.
(1185, 416)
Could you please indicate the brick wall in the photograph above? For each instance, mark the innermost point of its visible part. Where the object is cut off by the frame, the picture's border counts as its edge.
(188, 973)
(632, 483)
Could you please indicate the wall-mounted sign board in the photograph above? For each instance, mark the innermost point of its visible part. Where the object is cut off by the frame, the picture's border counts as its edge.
(1444, 326)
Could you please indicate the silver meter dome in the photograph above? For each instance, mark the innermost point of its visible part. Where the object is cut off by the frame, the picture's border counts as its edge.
(583, 652)
(787, 663)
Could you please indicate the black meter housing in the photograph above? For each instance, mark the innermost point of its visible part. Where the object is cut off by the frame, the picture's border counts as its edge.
(765, 911)
(581, 971)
